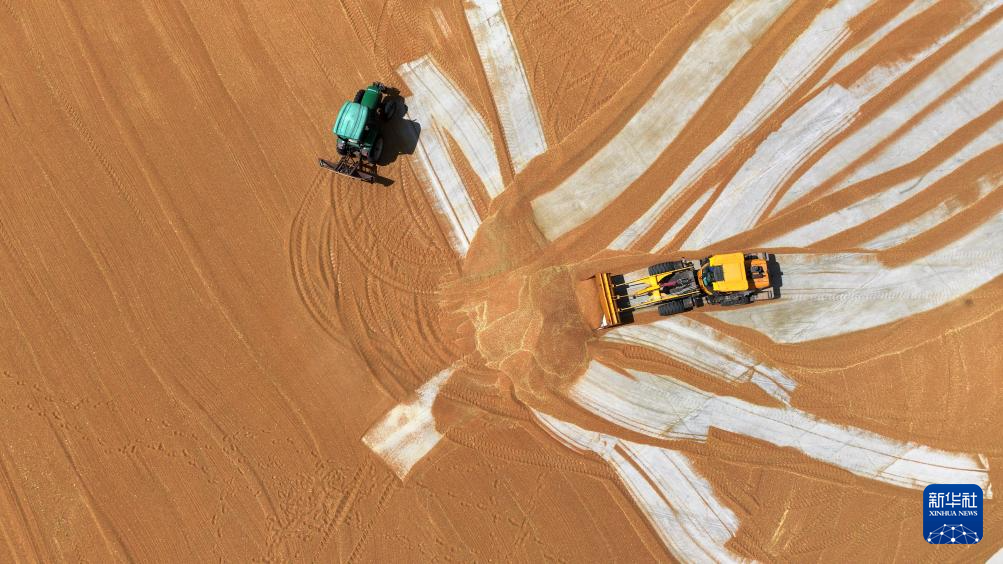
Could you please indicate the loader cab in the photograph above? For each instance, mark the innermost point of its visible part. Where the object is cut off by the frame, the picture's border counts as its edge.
(724, 273)
(759, 273)
(707, 277)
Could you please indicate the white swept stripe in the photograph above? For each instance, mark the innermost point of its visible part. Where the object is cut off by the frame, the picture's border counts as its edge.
(706, 349)
(744, 200)
(851, 55)
(877, 204)
(825, 34)
(933, 217)
(663, 407)
(967, 105)
(831, 294)
(687, 216)
(506, 76)
(746, 196)
(445, 113)
(920, 96)
(679, 503)
(407, 433)
(609, 172)
(914, 8)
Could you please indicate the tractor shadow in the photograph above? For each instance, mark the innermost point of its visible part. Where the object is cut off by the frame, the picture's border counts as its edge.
(773, 271)
(400, 134)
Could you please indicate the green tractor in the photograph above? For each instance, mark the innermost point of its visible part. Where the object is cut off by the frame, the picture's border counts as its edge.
(358, 129)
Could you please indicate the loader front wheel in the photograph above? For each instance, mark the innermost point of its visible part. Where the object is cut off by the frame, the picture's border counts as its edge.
(358, 96)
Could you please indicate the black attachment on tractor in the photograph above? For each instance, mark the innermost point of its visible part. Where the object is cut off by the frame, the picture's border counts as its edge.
(351, 166)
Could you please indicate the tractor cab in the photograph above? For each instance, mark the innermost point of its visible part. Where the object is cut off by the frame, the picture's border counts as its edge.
(352, 123)
(358, 132)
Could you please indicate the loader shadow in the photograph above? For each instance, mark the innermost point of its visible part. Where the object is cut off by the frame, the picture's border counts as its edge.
(773, 271)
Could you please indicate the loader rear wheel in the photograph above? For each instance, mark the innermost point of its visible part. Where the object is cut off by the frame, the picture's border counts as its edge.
(376, 151)
(671, 308)
(663, 267)
(358, 96)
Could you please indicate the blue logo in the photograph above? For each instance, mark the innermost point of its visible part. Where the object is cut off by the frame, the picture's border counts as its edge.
(952, 514)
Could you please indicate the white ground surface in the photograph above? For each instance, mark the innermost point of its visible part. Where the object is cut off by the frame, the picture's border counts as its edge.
(503, 67)
(407, 433)
(742, 203)
(832, 294)
(445, 113)
(746, 196)
(826, 33)
(709, 59)
(948, 74)
(873, 206)
(934, 217)
(684, 219)
(663, 407)
(680, 503)
(705, 349)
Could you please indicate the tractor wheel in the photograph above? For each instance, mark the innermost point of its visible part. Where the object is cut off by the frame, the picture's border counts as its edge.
(376, 151)
(342, 148)
(671, 308)
(663, 267)
(359, 95)
(389, 109)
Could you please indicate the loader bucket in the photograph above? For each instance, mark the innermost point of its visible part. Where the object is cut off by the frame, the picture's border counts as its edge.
(613, 299)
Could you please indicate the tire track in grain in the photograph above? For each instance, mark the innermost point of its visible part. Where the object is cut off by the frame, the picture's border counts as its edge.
(303, 277)
(28, 529)
(186, 245)
(171, 386)
(388, 490)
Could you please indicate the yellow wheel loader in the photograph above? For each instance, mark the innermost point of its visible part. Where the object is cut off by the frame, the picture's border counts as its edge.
(679, 286)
